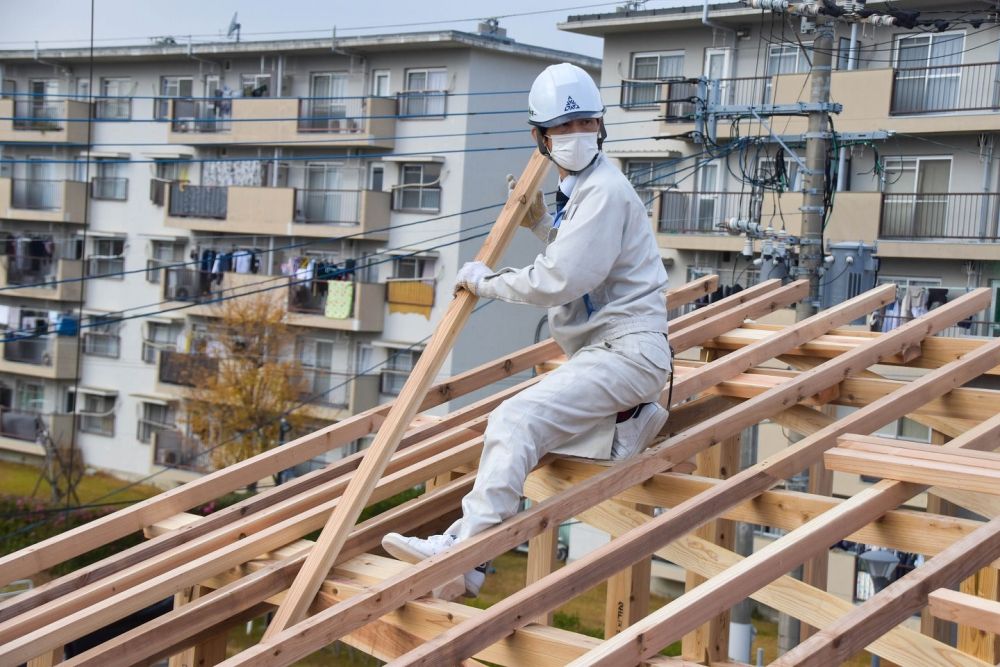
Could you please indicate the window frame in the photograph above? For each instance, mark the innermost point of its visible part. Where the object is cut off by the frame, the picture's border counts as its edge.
(411, 99)
(98, 423)
(630, 88)
(424, 188)
(109, 265)
(110, 332)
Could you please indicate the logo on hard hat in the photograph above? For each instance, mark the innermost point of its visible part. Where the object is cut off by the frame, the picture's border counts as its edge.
(570, 104)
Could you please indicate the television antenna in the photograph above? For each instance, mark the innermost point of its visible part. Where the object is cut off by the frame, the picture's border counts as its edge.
(234, 28)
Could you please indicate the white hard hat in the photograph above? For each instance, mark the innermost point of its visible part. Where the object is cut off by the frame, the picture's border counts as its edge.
(561, 93)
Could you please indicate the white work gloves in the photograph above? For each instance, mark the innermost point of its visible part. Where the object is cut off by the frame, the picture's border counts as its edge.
(470, 275)
(536, 210)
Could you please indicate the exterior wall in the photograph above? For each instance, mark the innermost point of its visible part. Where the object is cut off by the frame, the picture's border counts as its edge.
(267, 217)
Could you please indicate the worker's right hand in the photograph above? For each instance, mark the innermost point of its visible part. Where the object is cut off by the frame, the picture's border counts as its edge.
(536, 211)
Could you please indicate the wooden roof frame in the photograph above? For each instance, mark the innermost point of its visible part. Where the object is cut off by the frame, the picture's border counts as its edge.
(241, 561)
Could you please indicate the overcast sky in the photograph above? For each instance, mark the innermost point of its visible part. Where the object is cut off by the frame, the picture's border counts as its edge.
(52, 21)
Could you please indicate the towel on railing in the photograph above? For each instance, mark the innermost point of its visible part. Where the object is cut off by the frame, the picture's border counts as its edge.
(339, 299)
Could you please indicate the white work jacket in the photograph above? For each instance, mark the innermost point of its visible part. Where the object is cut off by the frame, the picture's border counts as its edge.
(604, 250)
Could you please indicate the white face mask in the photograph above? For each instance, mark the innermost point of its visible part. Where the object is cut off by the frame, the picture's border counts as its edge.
(573, 152)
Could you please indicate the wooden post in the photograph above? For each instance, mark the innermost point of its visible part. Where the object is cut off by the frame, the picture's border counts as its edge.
(973, 640)
(205, 653)
(931, 626)
(335, 532)
(541, 562)
(627, 598)
(815, 570)
(710, 642)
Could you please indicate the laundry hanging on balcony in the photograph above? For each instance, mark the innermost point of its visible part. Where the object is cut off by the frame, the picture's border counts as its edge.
(248, 173)
(339, 299)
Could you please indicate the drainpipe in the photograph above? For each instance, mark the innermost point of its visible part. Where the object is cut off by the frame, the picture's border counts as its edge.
(986, 151)
(852, 63)
(713, 25)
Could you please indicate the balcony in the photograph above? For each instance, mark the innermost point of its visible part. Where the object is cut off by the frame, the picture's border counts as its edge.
(279, 211)
(181, 369)
(927, 100)
(43, 120)
(335, 395)
(43, 200)
(348, 122)
(49, 356)
(691, 220)
(23, 431)
(359, 307)
(25, 281)
(187, 456)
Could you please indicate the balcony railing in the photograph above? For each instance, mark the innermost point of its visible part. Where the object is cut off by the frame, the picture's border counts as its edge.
(174, 450)
(332, 114)
(20, 424)
(198, 201)
(35, 194)
(114, 189)
(39, 113)
(945, 88)
(331, 207)
(38, 272)
(201, 115)
(34, 351)
(184, 369)
(695, 212)
(940, 216)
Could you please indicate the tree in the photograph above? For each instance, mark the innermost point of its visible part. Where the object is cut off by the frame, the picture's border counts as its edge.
(246, 379)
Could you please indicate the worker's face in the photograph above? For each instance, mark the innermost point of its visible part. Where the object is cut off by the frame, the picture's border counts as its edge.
(575, 126)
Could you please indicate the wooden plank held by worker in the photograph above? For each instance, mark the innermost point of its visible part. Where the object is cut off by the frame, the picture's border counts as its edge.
(330, 541)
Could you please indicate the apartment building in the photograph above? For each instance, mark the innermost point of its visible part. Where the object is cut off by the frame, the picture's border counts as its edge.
(927, 196)
(339, 176)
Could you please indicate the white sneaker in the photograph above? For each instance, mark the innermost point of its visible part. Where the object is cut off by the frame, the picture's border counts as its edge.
(634, 435)
(415, 549)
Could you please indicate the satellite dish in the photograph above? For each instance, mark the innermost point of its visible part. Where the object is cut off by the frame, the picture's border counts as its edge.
(234, 27)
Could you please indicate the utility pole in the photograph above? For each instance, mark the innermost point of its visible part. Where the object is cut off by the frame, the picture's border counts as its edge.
(817, 146)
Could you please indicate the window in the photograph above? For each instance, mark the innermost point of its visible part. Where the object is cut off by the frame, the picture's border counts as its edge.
(114, 102)
(159, 336)
(717, 69)
(156, 417)
(30, 396)
(414, 267)
(843, 52)
(376, 178)
(102, 336)
(916, 202)
(326, 110)
(657, 66)
(172, 86)
(419, 188)
(380, 83)
(397, 369)
(162, 253)
(109, 182)
(98, 414)
(107, 259)
(647, 177)
(321, 385)
(788, 179)
(425, 94)
(256, 85)
(785, 59)
(926, 78)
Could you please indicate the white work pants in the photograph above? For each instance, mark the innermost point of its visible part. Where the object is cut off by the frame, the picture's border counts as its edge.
(601, 379)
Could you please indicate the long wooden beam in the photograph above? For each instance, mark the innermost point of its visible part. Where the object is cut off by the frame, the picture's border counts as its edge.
(323, 555)
(168, 562)
(786, 594)
(905, 530)
(18, 645)
(893, 605)
(965, 609)
(588, 571)
(976, 472)
(691, 291)
(59, 548)
(329, 625)
(780, 556)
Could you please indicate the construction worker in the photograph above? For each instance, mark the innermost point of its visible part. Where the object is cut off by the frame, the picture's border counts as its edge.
(602, 279)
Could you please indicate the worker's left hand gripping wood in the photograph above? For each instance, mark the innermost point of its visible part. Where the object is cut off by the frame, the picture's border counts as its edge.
(330, 541)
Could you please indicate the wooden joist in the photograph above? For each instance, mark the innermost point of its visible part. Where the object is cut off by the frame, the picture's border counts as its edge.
(965, 609)
(977, 472)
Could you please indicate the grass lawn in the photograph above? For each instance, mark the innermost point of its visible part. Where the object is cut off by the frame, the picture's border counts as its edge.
(19, 480)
